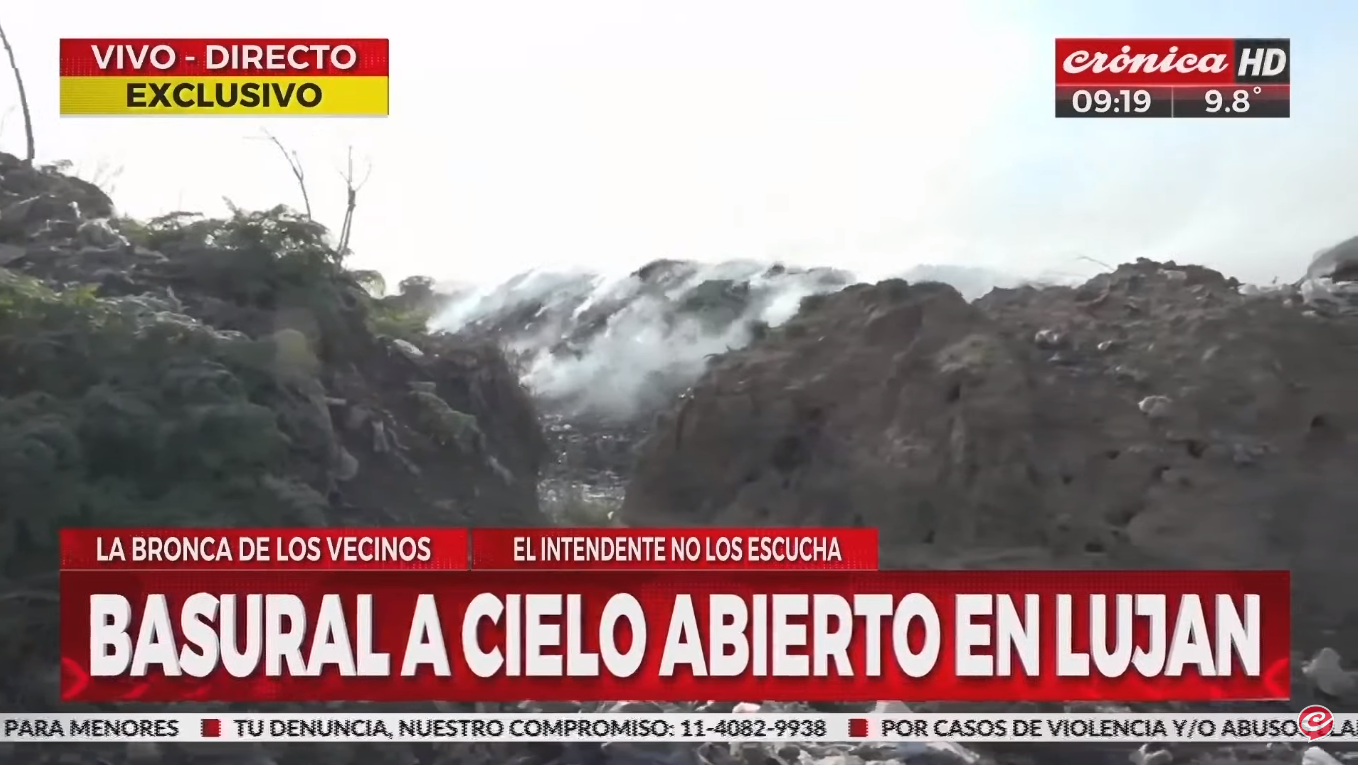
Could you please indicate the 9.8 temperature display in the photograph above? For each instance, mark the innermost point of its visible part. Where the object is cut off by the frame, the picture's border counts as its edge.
(1266, 101)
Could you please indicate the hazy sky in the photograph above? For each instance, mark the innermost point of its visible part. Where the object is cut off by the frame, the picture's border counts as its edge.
(865, 134)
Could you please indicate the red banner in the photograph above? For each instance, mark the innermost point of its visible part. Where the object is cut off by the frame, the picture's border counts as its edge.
(1167, 61)
(263, 549)
(226, 57)
(238, 633)
(675, 549)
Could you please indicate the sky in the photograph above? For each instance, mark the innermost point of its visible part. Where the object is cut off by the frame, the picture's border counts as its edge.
(870, 135)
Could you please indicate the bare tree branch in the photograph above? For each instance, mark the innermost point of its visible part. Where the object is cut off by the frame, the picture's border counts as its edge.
(352, 185)
(30, 151)
(1095, 262)
(351, 188)
(295, 164)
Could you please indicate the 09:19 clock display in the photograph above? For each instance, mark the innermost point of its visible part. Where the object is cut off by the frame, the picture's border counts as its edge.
(1113, 102)
(1137, 101)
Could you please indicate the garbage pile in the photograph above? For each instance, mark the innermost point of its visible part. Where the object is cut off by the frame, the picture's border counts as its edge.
(219, 372)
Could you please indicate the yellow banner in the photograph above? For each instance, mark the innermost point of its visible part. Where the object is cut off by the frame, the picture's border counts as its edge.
(179, 96)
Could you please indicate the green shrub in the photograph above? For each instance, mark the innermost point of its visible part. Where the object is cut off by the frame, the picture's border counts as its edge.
(121, 412)
(262, 266)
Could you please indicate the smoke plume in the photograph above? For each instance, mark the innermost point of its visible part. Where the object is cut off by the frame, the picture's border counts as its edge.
(617, 347)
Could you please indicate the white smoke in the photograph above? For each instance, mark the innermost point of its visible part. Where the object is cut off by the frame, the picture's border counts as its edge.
(616, 346)
(478, 303)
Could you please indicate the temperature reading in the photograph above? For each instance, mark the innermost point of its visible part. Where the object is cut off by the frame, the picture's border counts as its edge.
(1240, 100)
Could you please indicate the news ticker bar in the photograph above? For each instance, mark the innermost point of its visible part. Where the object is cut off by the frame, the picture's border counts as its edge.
(202, 77)
(1226, 102)
(1167, 728)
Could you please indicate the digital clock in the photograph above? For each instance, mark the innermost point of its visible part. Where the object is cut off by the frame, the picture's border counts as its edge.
(1074, 101)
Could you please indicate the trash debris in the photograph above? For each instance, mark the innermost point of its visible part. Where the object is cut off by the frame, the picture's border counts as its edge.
(1155, 407)
(1328, 676)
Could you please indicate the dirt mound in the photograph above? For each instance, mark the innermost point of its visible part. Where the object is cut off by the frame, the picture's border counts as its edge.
(1155, 415)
